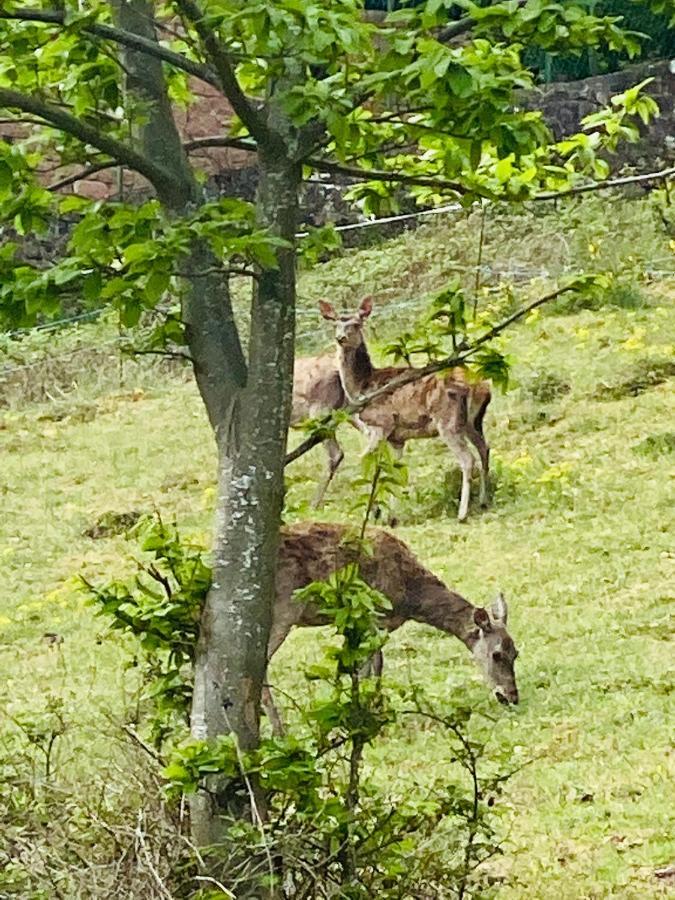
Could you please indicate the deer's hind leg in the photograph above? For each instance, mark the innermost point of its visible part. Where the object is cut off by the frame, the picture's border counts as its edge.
(481, 445)
(452, 429)
(277, 637)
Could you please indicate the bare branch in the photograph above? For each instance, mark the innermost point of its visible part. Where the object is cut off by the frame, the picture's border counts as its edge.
(120, 36)
(380, 175)
(204, 143)
(610, 183)
(65, 121)
(82, 174)
(410, 375)
(241, 104)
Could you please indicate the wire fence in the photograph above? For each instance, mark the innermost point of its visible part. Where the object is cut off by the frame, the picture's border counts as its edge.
(484, 271)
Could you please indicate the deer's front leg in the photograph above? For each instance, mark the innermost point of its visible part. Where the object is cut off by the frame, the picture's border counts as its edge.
(457, 443)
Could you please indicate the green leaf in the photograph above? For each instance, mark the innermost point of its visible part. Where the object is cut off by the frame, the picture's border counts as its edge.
(91, 287)
(6, 177)
(156, 286)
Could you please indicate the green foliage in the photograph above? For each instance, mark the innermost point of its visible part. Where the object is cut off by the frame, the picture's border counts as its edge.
(319, 244)
(161, 608)
(129, 257)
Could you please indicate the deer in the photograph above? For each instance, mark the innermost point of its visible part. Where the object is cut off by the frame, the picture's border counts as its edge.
(445, 406)
(317, 390)
(311, 551)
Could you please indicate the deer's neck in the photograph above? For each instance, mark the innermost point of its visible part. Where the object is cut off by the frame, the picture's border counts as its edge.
(429, 601)
(355, 369)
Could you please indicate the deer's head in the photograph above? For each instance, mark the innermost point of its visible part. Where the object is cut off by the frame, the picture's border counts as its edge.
(348, 328)
(494, 651)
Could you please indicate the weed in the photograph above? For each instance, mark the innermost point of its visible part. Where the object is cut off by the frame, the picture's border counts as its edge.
(644, 374)
(109, 524)
(545, 386)
(656, 444)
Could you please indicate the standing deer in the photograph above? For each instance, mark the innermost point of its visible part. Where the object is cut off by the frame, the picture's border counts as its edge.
(446, 406)
(317, 390)
(311, 551)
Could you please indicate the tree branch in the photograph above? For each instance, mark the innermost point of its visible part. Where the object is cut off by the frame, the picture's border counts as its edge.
(65, 121)
(461, 26)
(220, 59)
(120, 36)
(81, 175)
(610, 183)
(204, 143)
(380, 175)
(410, 375)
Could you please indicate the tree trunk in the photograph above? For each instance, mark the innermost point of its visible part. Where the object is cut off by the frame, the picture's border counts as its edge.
(232, 651)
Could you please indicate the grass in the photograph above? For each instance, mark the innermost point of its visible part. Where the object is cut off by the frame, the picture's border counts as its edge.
(579, 537)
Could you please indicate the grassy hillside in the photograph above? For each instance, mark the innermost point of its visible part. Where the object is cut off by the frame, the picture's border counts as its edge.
(579, 537)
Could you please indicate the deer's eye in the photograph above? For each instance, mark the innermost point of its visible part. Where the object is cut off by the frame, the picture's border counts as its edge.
(498, 656)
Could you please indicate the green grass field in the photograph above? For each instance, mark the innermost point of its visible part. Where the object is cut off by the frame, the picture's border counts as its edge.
(579, 537)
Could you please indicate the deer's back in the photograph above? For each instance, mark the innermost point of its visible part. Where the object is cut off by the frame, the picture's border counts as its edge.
(416, 410)
(311, 551)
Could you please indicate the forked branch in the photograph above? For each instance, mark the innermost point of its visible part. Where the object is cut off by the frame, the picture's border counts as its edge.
(220, 59)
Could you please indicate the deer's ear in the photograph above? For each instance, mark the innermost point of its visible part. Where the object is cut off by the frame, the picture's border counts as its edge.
(482, 619)
(327, 310)
(366, 307)
(499, 609)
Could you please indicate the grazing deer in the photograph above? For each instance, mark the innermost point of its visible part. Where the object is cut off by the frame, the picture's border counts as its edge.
(446, 406)
(311, 551)
(317, 390)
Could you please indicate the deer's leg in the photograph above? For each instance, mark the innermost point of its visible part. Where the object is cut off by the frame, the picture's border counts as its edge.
(457, 443)
(374, 435)
(479, 442)
(277, 638)
(335, 457)
(272, 712)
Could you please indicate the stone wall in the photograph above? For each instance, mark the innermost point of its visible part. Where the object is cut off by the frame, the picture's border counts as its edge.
(564, 105)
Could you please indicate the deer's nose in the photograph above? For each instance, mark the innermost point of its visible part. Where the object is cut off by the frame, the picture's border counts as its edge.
(506, 698)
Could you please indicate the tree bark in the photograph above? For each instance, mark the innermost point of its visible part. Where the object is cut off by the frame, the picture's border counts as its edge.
(232, 650)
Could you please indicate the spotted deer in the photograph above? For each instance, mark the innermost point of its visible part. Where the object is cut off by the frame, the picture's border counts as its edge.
(445, 406)
(317, 390)
(311, 551)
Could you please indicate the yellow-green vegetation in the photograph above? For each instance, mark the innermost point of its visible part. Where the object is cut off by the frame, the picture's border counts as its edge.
(579, 537)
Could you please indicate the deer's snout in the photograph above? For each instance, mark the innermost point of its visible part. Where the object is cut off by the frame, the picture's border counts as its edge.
(507, 697)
